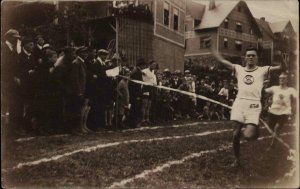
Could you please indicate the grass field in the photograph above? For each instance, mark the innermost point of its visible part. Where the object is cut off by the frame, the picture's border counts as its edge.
(186, 155)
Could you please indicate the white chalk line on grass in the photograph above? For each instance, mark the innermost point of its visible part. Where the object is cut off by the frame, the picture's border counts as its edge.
(168, 164)
(172, 126)
(123, 131)
(32, 138)
(101, 146)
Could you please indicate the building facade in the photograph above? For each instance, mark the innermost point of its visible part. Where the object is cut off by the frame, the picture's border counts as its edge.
(149, 29)
(228, 26)
(169, 40)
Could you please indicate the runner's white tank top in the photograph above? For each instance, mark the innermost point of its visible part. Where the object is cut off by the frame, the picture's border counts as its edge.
(250, 83)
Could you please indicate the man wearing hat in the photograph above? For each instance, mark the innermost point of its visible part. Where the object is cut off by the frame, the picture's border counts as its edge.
(99, 90)
(135, 91)
(9, 80)
(27, 69)
(38, 49)
(75, 97)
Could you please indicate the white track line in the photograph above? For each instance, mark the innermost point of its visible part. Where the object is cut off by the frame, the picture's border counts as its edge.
(31, 138)
(172, 126)
(168, 164)
(100, 146)
(124, 131)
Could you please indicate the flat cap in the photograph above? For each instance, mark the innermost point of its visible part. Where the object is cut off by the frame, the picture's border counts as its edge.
(81, 49)
(166, 70)
(12, 33)
(103, 51)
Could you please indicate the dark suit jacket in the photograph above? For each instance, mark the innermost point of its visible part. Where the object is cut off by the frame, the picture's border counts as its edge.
(135, 90)
(9, 67)
(101, 84)
(26, 63)
(38, 53)
(78, 78)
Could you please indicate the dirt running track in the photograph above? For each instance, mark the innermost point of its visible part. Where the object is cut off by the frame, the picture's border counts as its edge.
(193, 155)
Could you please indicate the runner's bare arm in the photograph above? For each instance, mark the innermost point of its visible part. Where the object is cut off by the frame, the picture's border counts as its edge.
(220, 58)
(281, 65)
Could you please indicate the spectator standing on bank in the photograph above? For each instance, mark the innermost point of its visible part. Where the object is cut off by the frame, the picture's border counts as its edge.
(148, 77)
(76, 97)
(122, 109)
(99, 91)
(48, 97)
(135, 91)
(9, 81)
(27, 71)
(38, 51)
(62, 75)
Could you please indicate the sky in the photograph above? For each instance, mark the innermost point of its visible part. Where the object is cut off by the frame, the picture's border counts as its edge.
(272, 10)
(276, 10)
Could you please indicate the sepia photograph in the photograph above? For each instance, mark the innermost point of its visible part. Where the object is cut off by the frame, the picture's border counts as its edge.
(149, 94)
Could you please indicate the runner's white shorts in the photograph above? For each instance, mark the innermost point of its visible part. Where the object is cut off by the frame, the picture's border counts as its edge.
(246, 111)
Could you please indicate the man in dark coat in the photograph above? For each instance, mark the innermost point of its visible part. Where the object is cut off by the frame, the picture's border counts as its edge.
(135, 91)
(76, 96)
(61, 73)
(27, 68)
(99, 91)
(38, 51)
(9, 80)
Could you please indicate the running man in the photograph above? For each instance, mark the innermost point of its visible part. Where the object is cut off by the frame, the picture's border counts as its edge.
(281, 107)
(246, 108)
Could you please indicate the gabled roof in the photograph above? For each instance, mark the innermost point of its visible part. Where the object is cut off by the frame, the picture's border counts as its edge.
(265, 26)
(214, 18)
(278, 26)
(196, 10)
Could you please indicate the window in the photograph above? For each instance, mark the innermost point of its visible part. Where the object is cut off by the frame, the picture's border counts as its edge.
(175, 18)
(196, 22)
(166, 14)
(225, 43)
(226, 23)
(239, 27)
(205, 42)
(238, 45)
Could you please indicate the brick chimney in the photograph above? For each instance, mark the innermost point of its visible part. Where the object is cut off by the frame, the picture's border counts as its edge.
(212, 5)
(263, 19)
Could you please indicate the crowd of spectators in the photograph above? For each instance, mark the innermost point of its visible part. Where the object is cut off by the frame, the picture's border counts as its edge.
(45, 90)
